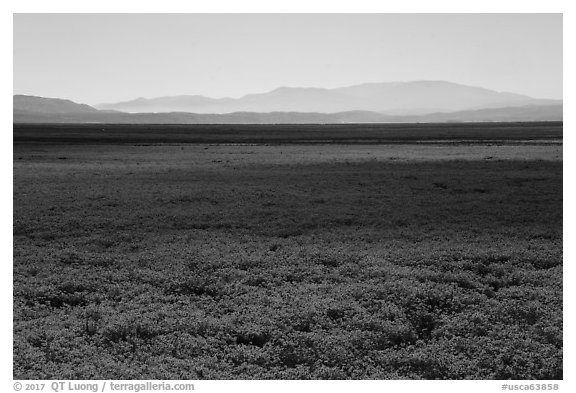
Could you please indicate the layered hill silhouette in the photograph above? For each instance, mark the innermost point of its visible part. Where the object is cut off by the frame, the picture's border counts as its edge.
(49, 106)
(368, 103)
(398, 98)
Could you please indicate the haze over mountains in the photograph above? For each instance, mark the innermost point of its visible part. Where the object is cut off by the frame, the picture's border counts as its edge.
(422, 101)
(397, 98)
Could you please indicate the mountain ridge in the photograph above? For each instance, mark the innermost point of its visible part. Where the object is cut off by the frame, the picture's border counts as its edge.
(69, 112)
(392, 98)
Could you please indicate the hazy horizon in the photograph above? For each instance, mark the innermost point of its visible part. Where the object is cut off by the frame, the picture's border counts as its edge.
(272, 89)
(100, 58)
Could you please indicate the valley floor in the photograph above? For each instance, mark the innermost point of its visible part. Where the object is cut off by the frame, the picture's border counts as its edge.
(199, 261)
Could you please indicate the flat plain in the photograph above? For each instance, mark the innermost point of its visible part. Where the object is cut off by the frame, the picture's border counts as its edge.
(288, 252)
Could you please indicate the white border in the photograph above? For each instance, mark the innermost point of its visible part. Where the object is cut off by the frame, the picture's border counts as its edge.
(303, 6)
(299, 6)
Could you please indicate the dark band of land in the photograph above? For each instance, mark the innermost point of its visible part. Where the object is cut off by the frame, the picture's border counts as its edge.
(287, 134)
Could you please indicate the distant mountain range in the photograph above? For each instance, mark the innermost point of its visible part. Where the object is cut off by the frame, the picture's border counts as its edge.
(398, 98)
(425, 101)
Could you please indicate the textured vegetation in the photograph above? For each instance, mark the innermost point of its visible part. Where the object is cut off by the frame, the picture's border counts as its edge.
(196, 261)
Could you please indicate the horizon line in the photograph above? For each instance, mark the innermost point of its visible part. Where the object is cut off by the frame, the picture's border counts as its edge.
(282, 87)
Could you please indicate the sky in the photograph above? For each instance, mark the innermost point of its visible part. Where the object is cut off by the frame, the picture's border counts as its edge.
(102, 58)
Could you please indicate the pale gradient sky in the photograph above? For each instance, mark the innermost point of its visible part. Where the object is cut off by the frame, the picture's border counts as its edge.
(96, 58)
